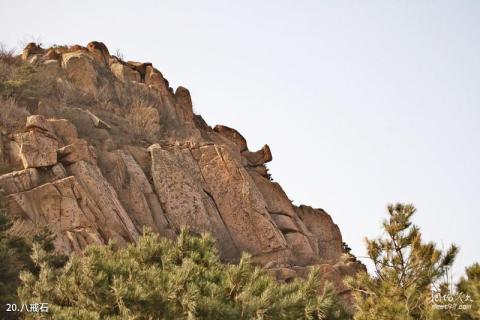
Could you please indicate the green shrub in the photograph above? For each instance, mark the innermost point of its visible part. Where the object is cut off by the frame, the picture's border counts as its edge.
(164, 279)
(21, 83)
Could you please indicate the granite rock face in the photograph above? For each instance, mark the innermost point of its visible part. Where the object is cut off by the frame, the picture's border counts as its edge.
(85, 176)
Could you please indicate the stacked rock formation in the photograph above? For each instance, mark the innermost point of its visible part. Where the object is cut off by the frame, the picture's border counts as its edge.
(77, 176)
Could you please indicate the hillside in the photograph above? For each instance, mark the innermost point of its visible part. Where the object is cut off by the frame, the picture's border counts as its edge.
(98, 148)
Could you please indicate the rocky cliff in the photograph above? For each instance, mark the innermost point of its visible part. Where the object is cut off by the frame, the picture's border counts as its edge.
(107, 148)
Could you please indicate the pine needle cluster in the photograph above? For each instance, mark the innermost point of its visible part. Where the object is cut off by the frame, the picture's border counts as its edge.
(406, 267)
(158, 278)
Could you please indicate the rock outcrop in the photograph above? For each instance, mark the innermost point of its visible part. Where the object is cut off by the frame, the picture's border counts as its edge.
(85, 176)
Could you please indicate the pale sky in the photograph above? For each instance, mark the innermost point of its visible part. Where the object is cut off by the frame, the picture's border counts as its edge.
(363, 103)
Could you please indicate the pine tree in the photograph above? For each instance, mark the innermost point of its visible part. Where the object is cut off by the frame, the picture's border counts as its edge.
(470, 286)
(15, 256)
(405, 269)
(163, 279)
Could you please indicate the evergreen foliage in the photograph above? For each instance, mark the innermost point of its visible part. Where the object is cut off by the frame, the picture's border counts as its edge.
(405, 269)
(470, 286)
(159, 278)
(15, 256)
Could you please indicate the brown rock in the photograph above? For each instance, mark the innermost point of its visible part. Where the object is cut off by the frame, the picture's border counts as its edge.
(282, 273)
(278, 202)
(112, 215)
(284, 223)
(97, 122)
(200, 123)
(65, 131)
(31, 49)
(124, 73)
(135, 192)
(259, 170)
(99, 52)
(80, 71)
(37, 149)
(233, 135)
(184, 103)
(155, 80)
(19, 181)
(141, 156)
(326, 232)
(239, 202)
(27, 179)
(78, 150)
(259, 157)
(153, 77)
(62, 205)
(140, 67)
(52, 54)
(185, 196)
(301, 248)
(38, 122)
(76, 47)
(53, 173)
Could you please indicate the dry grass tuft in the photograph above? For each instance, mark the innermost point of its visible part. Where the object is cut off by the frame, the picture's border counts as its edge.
(7, 55)
(145, 122)
(12, 116)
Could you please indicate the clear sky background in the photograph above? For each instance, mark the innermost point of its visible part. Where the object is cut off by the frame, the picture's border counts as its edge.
(363, 103)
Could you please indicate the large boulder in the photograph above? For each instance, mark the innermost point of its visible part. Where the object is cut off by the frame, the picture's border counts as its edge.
(38, 122)
(38, 146)
(135, 192)
(37, 149)
(155, 80)
(326, 233)
(140, 67)
(259, 157)
(240, 203)
(64, 207)
(30, 50)
(79, 69)
(65, 131)
(233, 135)
(299, 238)
(19, 181)
(99, 51)
(184, 104)
(186, 197)
(78, 150)
(111, 218)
